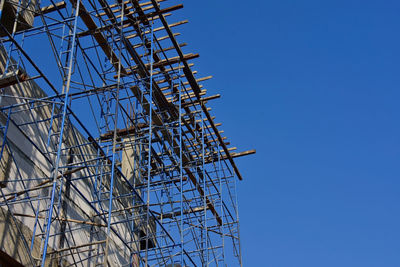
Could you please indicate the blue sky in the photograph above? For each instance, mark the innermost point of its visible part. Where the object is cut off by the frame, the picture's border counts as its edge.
(314, 87)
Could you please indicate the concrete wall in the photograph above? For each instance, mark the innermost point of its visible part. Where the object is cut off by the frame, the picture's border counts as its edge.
(28, 161)
(19, 11)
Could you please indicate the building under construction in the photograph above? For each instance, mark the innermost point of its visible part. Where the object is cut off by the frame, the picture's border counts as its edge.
(109, 154)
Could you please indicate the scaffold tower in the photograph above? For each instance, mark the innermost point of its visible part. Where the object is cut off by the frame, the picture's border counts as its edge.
(109, 154)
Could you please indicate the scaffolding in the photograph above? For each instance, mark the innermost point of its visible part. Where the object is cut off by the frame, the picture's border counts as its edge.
(109, 154)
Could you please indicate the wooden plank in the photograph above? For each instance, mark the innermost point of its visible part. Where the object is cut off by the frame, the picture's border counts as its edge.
(164, 62)
(214, 157)
(159, 12)
(159, 28)
(203, 99)
(123, 132)
(129, 1)
(145, 6)
(51, 8)
(158, 40)
(62, 219)
(244, 153)
(200, 79)
(178, 213)
(169, 78)
(12, 78)
(187, 96)
(163, 50)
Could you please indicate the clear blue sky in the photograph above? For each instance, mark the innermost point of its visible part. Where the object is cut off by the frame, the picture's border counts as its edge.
(314, 87)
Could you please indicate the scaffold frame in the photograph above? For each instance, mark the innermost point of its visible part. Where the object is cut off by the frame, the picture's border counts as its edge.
(109, 153)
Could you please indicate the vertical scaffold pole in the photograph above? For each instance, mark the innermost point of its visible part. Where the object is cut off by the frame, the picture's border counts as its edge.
(205, 189)
(66, 90)
(237, 219)
(110, 203)
(180, 163)
(219, 169)
(150, 136)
